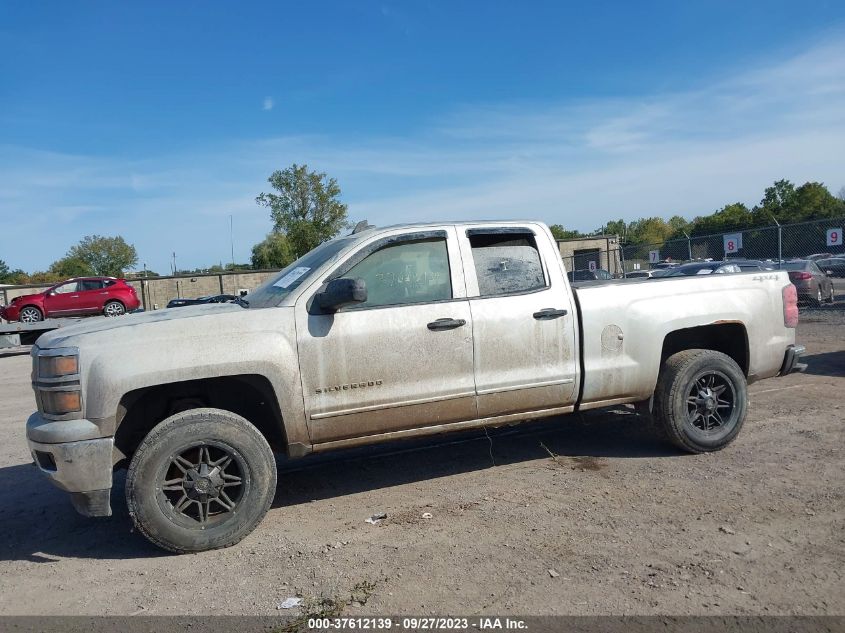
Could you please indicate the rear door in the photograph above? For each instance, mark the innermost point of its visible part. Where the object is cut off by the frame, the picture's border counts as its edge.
(402, 359)
(92, 296)
(523, 321)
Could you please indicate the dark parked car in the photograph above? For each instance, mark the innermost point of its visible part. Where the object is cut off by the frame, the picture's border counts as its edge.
(703, 268)
(649, 274)
(178, 303)
(747, 265)
(74, 297)
(834, 267)
(589, 275)
(811, 281)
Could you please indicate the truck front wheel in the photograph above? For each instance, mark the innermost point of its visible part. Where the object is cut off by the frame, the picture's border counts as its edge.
(700, 400)
(201, 479)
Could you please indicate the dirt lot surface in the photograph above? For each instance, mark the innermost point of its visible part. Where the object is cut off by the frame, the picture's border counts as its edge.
(618, 523)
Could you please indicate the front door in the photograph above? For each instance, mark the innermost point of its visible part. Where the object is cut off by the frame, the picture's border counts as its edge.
(62, 300)
(523, 325)
(400, 360)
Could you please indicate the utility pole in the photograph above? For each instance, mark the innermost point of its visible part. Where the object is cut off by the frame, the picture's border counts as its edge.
(780, 241)
(689, 244)
(232, 239)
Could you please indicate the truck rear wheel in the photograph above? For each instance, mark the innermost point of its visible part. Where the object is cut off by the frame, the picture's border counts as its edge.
(202, 479)
(701, 400)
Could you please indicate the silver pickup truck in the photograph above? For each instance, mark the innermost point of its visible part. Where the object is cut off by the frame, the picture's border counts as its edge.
(383, 334)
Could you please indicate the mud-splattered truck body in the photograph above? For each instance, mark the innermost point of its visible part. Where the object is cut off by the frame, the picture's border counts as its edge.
(383, 334)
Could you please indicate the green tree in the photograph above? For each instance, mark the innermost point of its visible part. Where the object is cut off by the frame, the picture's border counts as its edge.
(8, 276)
(561, 233)
(616, 227)
(648, 231)
(68, 267)
(273, 252)
(306, 207)
(730, 217)
(814, 200)
(107, 256)
(44, 277)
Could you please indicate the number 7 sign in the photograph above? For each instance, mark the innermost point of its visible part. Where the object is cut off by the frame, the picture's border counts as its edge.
(834, 237)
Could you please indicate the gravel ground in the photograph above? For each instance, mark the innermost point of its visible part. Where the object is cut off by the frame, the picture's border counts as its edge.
(615, 523)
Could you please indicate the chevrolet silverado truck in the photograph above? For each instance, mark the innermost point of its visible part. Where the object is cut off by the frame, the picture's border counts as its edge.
(382, 334)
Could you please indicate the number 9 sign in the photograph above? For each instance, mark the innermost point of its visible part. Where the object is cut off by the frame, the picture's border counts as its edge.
(834, 237)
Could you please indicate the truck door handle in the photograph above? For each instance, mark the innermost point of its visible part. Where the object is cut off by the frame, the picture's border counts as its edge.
(549, 313)
(446, 324)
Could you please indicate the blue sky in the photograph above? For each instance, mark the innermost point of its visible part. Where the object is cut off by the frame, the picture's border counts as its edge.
(157, 120)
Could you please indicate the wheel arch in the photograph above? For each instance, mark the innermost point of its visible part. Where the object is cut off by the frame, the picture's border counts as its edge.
(728, 337)
(249, 395)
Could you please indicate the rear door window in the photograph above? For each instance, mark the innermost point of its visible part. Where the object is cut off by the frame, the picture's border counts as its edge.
(90, 284)
(506, 263)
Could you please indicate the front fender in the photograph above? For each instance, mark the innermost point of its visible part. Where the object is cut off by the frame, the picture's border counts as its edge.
(259, 342)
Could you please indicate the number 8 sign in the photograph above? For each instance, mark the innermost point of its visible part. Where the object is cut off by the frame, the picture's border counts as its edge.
(834, 237)
(733, 242)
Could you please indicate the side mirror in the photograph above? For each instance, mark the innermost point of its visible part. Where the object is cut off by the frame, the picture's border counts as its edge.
(828, 272)
(341, 292)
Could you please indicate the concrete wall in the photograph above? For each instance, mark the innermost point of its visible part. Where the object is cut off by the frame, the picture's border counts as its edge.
(608, 246)
(155, 292)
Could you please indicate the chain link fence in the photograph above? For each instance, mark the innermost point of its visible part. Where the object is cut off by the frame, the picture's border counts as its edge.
(776, 246)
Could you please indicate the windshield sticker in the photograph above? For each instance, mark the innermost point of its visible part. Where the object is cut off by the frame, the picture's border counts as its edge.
(292, 276)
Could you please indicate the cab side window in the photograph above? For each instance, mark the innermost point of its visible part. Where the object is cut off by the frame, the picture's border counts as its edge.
(506, 263)
(406, 272)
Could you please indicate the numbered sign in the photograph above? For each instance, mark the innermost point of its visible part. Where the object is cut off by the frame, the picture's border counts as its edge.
(592, 266)
(834, 237)
(733, 242)
(653, 257)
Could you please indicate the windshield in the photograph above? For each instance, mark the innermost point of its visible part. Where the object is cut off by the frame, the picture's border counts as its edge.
(277, 287)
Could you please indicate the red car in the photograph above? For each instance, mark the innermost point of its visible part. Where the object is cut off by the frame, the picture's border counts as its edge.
(74, 297)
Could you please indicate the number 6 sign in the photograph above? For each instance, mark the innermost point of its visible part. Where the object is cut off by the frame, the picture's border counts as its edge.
(834, 237)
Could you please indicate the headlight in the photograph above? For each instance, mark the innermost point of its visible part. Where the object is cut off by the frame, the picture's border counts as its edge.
(60, 402)
(55, 378)
(56, 366)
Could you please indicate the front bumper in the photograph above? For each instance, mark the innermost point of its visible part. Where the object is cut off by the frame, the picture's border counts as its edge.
(791, 360)
(82, 467)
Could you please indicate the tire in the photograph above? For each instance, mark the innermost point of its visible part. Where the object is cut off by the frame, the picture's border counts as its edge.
(832, 297)
(114, 308)
(30, 314)
(181, 501)
(818, 300)
(689, 402)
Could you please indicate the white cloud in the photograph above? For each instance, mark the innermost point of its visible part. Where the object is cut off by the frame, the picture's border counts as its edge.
(268, 104)
(575, 163)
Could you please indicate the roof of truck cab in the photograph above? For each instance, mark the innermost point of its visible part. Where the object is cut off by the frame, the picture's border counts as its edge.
(417, 225)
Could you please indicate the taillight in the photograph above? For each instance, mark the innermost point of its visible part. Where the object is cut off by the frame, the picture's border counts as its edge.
(801, 275)
(790, 306)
